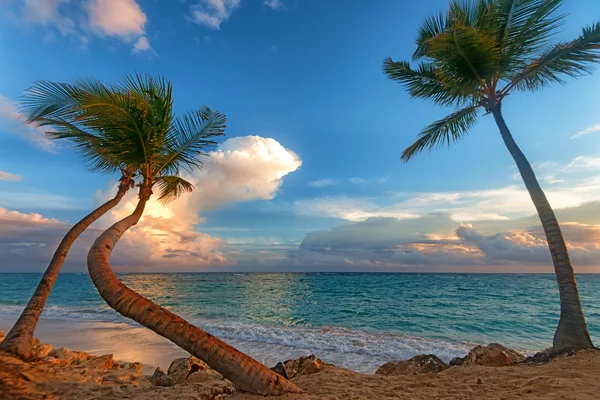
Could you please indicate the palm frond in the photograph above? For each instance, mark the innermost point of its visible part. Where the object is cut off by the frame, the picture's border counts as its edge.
(564, 59)
(171, 187)
(430, 28)
(190, 137)
(426, 82)
(523, 27)
(445, 131)
(466, 55)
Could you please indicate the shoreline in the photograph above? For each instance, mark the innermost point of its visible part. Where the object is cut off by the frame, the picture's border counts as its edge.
(358, 351)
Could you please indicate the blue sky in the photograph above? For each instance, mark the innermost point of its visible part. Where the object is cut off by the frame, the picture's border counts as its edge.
(306, 74)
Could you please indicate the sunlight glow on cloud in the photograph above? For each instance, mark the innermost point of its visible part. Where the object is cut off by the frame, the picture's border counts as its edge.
(123, 19)
(241, 169)
(7, 176)
(212, 13)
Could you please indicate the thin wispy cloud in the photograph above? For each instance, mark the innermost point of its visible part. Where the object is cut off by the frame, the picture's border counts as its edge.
(591, 129)
(7, 176)
(324, 183)
(212, 13)
(11, 120)
(274, 4)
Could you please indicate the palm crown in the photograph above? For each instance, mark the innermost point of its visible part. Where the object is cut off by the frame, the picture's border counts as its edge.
(129, 126)
(482, 50)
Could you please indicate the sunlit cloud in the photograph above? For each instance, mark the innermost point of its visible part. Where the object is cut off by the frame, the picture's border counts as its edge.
(7, 176)
(81, 20)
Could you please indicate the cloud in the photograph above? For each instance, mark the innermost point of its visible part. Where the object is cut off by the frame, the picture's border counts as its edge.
(324, 183)
(13, 121)
(212, 13)
(7, 176)
(142, 44)
(591, 129)
(241, 169)
(573, 183)
(358, 180)
(430, 244)
(121, 19)
(274, 4)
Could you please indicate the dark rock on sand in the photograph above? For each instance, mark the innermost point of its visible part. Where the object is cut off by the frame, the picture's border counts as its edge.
(492, 355)
(280, 369)
(456, 361)
(421, 364)
(303, 366)
(179, 370)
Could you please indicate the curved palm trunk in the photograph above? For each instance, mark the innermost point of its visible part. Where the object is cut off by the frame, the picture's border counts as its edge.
(243, 371)
(572, 330)
(19, 339)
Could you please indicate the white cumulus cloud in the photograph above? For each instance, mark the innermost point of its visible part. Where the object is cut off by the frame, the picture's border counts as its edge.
(14, 122)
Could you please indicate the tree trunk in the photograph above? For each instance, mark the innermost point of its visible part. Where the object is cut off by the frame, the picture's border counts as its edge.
(19, 339)
(244, 372)
(572, 330)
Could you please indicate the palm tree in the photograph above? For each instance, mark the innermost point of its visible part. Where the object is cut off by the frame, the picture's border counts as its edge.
(64, 107)
(472, 58)
(158, 146)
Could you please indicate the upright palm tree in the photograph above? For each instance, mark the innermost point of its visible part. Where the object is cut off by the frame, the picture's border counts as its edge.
(158, 146)
(472, 58)
(65, 107)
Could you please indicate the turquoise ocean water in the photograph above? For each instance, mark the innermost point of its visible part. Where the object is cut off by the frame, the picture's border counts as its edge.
(354, 320)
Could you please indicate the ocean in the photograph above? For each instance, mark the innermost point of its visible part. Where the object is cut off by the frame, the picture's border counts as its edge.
(354, 320)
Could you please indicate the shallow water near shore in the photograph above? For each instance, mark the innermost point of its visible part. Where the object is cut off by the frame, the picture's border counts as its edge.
(357, 321)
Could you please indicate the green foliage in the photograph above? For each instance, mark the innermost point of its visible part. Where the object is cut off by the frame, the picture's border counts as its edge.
(479, 51)
(129, 126)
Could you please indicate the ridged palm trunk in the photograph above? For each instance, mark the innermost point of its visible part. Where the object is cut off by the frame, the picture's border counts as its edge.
(243, 371)
(572, 330)
(20, 338)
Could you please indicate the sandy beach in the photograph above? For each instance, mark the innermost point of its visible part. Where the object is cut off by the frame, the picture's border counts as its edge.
(568, 377)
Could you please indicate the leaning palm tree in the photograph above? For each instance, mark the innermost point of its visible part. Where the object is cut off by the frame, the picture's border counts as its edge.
(65, 107)
(159, 145)
(472, 58)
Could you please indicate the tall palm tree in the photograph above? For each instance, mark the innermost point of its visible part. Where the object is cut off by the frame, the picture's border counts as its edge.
(472, 58)
(65, 107)
(159, 145)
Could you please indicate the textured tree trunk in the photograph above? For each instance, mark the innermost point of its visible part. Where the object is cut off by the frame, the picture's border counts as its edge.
(572, 330)
(244, 372)
(19, 339)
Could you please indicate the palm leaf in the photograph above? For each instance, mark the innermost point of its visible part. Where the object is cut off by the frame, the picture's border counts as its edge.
(190, 137)
(565, 59)
(452, 128)
(426, 82)
(171, 187)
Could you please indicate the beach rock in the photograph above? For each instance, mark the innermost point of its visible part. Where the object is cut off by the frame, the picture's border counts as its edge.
(160, 378)
(280, 369)
(303, 366)
(40, 351)
(421, 364)
(456, 361)
(204, 376)
(181, 368)
(2, 336)
(492, 355)
(69, 357)
(102, 362)
(135, 367)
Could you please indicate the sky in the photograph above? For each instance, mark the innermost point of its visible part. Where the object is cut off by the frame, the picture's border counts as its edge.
(308, 176)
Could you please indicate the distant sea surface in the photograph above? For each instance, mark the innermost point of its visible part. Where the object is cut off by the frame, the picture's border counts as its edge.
(354, 320)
